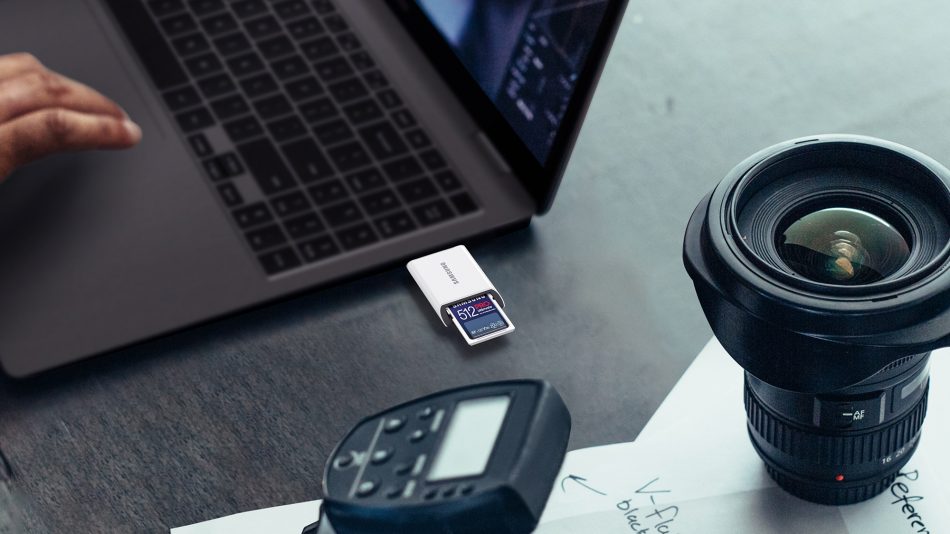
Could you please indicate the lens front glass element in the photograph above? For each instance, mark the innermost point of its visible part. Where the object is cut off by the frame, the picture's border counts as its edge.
(843, 246)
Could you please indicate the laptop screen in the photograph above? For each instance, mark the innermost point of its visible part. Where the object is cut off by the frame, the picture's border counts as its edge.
(526, 55)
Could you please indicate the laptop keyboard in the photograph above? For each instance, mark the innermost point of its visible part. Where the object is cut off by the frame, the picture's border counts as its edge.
(302, 137)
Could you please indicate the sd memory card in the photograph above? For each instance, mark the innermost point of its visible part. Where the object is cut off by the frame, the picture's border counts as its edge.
(480, 319)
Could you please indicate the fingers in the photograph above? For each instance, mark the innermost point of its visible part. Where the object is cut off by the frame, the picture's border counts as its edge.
(41, 89)
(15, 64)
(45, 132)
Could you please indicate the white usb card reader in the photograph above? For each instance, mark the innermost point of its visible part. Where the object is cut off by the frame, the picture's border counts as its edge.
(460, 293)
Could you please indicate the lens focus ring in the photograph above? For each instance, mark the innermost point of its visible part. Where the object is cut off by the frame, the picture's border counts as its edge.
(807, 463)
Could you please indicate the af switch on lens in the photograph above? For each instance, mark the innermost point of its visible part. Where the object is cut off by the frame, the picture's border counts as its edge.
(822, 266)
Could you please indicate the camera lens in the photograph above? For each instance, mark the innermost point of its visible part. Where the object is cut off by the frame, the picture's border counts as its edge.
(822, 267)
(842, 245)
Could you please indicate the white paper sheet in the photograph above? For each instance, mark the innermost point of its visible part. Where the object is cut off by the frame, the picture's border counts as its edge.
(289, 519)
(693, 470)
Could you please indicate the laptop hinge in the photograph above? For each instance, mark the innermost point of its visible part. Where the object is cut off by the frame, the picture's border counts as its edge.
(493, 153)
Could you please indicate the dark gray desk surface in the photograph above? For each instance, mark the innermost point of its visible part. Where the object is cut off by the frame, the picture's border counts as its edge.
(242, 414)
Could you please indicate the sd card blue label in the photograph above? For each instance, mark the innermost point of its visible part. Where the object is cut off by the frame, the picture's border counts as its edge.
(479, 317)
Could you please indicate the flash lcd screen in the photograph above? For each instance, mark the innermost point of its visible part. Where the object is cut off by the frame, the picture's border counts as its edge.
(470, 438)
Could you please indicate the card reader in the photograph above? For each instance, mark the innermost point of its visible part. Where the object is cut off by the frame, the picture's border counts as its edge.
(460, 293)
(476, 459)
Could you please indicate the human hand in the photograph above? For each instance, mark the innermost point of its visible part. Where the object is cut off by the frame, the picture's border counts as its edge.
(42, 113)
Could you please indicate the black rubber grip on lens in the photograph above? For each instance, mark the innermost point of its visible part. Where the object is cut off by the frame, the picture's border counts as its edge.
(829, 450)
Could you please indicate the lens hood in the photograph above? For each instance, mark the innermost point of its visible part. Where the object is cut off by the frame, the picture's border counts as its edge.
(800, 334)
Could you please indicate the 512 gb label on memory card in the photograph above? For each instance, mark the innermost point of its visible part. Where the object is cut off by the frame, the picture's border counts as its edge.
(480, 319)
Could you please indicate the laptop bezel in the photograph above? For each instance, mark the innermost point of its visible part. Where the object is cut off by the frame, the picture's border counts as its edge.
(540, 180)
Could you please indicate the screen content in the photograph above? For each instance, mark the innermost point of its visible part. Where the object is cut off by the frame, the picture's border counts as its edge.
(470, 438)
(525, 54)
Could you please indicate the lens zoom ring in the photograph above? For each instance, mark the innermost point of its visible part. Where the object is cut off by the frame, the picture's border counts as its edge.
(841, 450)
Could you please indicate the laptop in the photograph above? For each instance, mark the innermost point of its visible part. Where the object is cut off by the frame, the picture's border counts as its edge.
(288, 144)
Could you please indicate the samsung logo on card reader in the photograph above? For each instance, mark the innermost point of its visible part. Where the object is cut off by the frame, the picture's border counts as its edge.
(448, 271)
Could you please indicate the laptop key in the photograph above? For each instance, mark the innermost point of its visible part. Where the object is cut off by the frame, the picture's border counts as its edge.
(191, 44)
(403, 118)
(348, 90)
(244, 128)
(319, 48)
(265, 238)
(304, 226)
(232, 44)
(199, 143)
(290, 204)
(182, 98)
(349, 156)
(433, 160)
(230, 195)
(323, 7)
(417, 190)
(229, 164)
(383, 140)
(219, 24)
(362, 60)
(153, 49)
(214, 170)
(348, 42)
(253, 215)
(333, 132)
(273, 106)
(432, 212)
(195, 119)
(262, 27)
(318, 249)
(463, 203)
(279, 261)
(245, 64)
(417, 138)
(205, 7)
(333, 69)
(249, 8)
(290, 67)
(304, 28)
(402, 169)
(395, 224)
(448, 181)
(318, 110)
(165, 7)
(216, 85)
(328, 192)
(276, 47)
(307, 160)
(259, 85)
(203, 65)
(304, 89)
(335, 23)
(286, 128)
(356, 236)
(229, 106)
(267, 167)
(178, 24)
(223, 167)
(342, 214)
(291, 9)
(376, 80)
(365, 180)
(389, 99)
(363, 111)
(380, 202)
